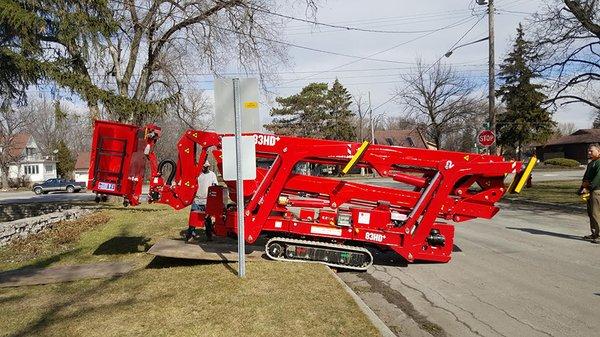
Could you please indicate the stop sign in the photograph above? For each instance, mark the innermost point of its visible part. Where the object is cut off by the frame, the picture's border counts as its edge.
(486, 138)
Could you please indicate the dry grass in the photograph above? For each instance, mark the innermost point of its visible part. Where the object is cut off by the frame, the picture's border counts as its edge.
(557, 192)
(170, 297)
(60, 238)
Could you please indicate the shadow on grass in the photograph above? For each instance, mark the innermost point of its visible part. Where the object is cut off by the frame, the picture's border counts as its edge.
(63, 310)
(123, 245)
(8, 299)
(542, 232)
(160, 262)
(31, 269)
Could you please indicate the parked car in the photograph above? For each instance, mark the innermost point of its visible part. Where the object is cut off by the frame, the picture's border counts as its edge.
(55, 185)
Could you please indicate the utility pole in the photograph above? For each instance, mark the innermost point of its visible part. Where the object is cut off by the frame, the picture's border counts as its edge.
(371, 120)
(492, 75)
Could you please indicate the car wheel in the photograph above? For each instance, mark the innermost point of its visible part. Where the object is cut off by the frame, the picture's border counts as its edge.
(37, 190)
(70, 189)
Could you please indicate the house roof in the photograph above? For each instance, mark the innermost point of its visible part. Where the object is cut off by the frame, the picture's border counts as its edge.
(582, 136)
(18, 144)
(406, 138)
(83, 161)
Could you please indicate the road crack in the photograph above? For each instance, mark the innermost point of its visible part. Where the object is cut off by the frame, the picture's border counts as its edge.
(403, 304)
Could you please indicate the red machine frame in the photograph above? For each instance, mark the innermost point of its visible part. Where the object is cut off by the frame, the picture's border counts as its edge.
(436, 186)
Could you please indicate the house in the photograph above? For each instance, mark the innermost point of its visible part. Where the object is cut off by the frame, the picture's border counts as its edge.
(25, 160)
(573, 146)
(82, 167)
(406, 138)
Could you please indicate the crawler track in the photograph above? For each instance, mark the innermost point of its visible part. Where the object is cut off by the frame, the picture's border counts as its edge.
(331, 254)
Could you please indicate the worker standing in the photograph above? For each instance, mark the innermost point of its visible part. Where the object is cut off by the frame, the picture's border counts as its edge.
(206, 179)
(591, 184)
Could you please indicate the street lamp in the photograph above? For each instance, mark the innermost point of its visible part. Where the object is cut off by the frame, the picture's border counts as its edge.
(465, 44)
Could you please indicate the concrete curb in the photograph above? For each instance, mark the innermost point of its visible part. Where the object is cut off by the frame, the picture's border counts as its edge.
(377, 322)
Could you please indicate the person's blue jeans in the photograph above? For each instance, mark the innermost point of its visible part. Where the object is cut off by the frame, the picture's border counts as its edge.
(198, 207)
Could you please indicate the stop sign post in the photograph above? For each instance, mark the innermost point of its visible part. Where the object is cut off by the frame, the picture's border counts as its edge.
(486, 138)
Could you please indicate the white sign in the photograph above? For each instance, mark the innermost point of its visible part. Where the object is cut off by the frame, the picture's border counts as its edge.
(106, 186)
(224, 105)
(364, 218)
(248, 158)
(325, 230)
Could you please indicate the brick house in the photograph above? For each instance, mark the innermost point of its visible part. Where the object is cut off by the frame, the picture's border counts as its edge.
(82, 167)
(573, 146)
(405, 138)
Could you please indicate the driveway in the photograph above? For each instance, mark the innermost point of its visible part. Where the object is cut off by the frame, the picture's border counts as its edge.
(527, 272)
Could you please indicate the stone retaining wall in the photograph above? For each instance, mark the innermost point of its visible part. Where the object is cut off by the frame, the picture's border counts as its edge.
(11, 212)
(23, 227)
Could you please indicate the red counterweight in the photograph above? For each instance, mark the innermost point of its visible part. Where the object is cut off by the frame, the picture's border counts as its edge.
(329, 220)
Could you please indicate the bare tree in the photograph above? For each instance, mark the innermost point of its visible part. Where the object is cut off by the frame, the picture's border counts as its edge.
(403, 123)
(54, 122)
(137, 65)
(361, 110)
(462, 135)
(12, 122)
(193, 112)
(564, 129)
(567, 36)
(438, 97)
(164, 43)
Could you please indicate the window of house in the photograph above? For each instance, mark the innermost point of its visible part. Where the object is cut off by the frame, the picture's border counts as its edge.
(29, 151)
(32, 169)
(48, 168)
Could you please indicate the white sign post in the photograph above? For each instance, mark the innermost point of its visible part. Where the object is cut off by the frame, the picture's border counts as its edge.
(239, 184)
(236, 91)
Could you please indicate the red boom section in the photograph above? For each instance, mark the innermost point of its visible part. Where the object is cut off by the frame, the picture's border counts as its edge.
(427, 187)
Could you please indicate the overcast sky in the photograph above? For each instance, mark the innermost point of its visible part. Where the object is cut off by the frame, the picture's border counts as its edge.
(382, 78)
(424, 29)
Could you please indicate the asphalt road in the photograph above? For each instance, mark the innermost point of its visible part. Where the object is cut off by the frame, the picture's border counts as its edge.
(527, 272)
(542, 175)
(29, 197)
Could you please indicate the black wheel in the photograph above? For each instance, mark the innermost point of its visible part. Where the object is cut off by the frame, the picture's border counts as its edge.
(38, 190)
(70, 189)
(275, 250)
(104, 198)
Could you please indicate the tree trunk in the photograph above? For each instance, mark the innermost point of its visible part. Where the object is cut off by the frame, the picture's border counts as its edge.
(4, 178)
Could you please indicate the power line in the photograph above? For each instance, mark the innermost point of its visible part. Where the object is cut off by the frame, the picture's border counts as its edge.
(424, 17)
(469, 64)
(292, 44)
(434, 63)
(344, 28)
(460, 22)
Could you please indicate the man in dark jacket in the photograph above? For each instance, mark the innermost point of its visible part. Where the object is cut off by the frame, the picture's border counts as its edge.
(591, 185)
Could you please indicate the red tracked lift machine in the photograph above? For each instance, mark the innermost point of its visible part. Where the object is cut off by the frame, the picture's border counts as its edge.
(323, 219)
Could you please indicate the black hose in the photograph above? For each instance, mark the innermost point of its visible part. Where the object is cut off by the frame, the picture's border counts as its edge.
(173, 168)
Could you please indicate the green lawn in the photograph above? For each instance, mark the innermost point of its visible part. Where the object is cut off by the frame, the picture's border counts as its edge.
(559, 192)
(167, 297)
